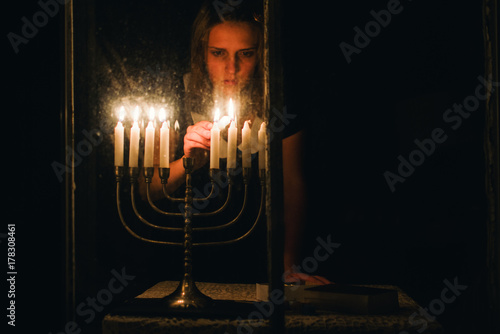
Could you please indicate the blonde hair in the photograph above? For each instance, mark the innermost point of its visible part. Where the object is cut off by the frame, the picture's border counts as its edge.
(199, 92)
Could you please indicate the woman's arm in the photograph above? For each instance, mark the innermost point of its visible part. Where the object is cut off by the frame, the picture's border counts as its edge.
(175, 180)
(295, 208)
(294, 198)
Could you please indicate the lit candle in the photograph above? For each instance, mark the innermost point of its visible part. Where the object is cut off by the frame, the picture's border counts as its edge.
(150, 141)
(262, 146)
(231, 145)
(164, 140)
(214, 142)
(135, 133)
(232, 137)
(222, 123)
(245, 145)
(119, 137)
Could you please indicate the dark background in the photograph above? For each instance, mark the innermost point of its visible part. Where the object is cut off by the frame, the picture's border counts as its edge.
(360, 117)
(363, 116)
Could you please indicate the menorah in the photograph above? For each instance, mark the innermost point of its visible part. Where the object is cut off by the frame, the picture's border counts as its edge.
(187, 295)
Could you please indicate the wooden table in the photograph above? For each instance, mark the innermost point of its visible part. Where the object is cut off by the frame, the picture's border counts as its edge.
(408, 319)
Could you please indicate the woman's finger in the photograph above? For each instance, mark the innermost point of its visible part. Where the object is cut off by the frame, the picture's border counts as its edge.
(197, 137)
(205, 124)
(200, 130)
(196, 140)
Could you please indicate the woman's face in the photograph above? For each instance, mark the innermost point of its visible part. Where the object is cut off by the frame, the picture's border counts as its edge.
(231, 56)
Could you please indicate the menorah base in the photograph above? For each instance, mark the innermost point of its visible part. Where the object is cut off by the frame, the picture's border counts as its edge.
(187, 295)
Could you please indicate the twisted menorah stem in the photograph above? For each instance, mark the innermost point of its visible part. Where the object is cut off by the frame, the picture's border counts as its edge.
(187, 294)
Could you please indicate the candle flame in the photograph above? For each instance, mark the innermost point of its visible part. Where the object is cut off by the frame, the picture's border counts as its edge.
(230, 109)
(151, 114)
(176, 126)
(121, 114)
(136, 114)
(216, 115)
(162, 115)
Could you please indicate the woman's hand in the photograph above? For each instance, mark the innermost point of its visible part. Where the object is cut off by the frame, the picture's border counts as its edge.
(197, 143)
(305, 278)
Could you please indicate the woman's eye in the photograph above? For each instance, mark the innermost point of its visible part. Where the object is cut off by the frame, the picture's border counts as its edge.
(247, 54)
(217, 53)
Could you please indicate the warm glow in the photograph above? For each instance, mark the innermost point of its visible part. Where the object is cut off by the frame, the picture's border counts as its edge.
(216, 115)
(176, 126)
(137, 113)
(162, 115)
(121, 113)
(230, 110)
(151, 114)
(224, 121)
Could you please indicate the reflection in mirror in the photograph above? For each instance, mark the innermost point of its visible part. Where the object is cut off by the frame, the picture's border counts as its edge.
(176, 87)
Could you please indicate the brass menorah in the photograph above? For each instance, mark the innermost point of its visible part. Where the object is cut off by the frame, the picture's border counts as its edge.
(187, 294)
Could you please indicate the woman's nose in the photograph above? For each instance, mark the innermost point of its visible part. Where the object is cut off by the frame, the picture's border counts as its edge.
(232, 65)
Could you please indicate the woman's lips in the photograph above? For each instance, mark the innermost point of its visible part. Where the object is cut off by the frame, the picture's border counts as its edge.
(230, 82)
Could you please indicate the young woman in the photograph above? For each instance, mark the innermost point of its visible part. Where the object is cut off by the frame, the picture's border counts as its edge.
(226, 63)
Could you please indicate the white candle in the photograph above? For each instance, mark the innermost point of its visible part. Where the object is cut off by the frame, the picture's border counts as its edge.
(164, 145)
(134, 145)
(231, 145)
(119, 144)
(262, 146)
(245, 145)
(222, 123)
(149, 145)
(214, 142)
